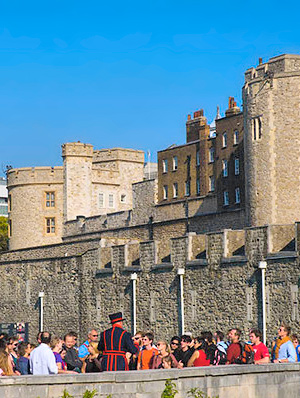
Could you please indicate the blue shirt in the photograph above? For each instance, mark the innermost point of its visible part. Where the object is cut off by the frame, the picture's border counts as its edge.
(83, 349)
(287, 351)
(298, 353)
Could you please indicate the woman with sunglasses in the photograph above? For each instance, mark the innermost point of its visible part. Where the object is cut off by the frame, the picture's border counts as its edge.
(174, 345)
(7, 366)
(163, 352)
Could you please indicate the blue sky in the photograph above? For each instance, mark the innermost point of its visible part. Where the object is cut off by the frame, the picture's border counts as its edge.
(125, 74)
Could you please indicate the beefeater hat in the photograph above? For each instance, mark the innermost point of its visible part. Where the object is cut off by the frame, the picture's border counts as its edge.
(117, 317)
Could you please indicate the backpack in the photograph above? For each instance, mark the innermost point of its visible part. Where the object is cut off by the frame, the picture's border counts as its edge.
(246, 356)
(220, 357)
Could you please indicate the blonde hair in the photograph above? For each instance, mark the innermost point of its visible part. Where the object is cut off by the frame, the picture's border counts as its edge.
(5, 365)
(168, 349)
(54, 341)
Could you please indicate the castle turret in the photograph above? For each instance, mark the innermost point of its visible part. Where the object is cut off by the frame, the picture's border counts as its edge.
(271, 98)
(77, 160)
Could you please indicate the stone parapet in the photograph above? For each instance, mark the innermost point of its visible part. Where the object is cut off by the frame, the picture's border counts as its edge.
(34, 175)
(118, 154)
(77, 149)
(286, 63)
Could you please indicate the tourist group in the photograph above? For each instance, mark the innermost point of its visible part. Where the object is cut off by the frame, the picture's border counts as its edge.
(114, 349)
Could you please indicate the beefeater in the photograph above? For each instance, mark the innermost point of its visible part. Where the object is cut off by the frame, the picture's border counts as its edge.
(114, 343)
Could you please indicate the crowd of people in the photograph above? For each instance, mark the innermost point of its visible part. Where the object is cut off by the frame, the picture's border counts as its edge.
(115, 349)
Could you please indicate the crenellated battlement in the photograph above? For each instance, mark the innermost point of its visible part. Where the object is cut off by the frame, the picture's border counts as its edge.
(35, 175)
(227, 246)
(286, 63)
(118, 154)
(77, 149)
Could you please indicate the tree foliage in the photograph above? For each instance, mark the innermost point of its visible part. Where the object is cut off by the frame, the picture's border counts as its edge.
(3, 234)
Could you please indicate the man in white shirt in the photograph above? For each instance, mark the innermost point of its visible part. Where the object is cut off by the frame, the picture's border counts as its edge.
(42, 359)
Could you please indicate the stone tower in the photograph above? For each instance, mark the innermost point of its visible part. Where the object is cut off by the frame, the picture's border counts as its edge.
(77, 164)
(271, 96)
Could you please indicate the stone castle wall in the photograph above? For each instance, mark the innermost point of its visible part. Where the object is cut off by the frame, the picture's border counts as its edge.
(85, 281)
(271, 98)
(27, 206)
(83, 186)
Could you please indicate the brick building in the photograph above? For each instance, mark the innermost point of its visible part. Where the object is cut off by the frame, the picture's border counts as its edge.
(208, 164)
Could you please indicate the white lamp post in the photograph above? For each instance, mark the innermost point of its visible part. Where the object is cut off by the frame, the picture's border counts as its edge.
(262, 265)
(133, 277)
(180, 273)
(41, 307)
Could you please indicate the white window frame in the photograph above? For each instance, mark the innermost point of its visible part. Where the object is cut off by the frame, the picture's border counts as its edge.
(175, 163)
(198, 158)
(236, 137)
(211, 183)
(211, 157)
(224, 140)
(187, 188)
(225, 168)
(237, 194)
(236, 166)
(101, 194)
(225, 198)
(165, 165)
(165, 192)
(111, 196)
(198, 186)
(175, 190)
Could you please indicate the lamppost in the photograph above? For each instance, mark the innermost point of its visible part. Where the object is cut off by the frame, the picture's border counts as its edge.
(262, 265)
(133, 277)
(180, 273)
(41, 308)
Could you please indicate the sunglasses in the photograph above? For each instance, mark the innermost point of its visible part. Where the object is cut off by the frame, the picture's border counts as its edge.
(173, 342)
(136, 338)
(94, 335)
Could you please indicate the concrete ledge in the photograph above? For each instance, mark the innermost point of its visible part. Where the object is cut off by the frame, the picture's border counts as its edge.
(201, 262)
(249, 381)
(282, 255)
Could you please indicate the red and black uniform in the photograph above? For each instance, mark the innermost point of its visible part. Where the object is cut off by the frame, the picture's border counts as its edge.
(114, 343)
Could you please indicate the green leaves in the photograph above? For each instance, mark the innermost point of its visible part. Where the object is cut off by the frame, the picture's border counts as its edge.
(87, 394)
(3, 234)
(170, 390)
